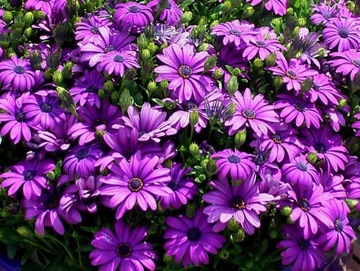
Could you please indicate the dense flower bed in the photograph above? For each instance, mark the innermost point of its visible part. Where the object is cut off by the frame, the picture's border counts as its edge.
(179, 135)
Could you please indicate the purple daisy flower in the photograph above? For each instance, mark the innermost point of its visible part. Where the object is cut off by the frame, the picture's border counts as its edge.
(183, 188)
(13, 118)
(308, 210)
(324, 90)
(117, 62)
(124, 250)
(235, 31)
(346, 62)
(355, 125)
(44, 111)
(300, 252)
(334, 117)
(16, 74)
(309, 47)
(138, 181)
(254, 113)
(271, 182)
(171, 15)
(238, 165)
(295, 109)
(241, 202)
(300, 172)
(45, 6)
(150, 123)
(334, 184)
(95, 122)
(292, 72)
(80, 160)
(91, 28)
(342, 33)
(184, 68)
(340, 233)
(323, 13)
(164, 33)
(132, 15)
(88, 190)
(190, 240)
(29, 175)
(278, 6)
(327, 146)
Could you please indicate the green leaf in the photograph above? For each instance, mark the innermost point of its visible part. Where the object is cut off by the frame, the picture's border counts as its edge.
(11, 250)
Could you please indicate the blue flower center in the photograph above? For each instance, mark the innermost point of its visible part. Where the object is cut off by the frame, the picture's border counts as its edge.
(168, 6)
(94, 30)
(52, 203)
(291, 74)
(234, 159)
(356, 62)
(118, 58)
(184, 71)
(303, 244)
(135, 184)
(134, 9)
(235, 32)
(339, 225)
(45, 107)
(316, 86)
(260, 159)
(99, 122)
(277, 138)
(299, 106)
(237, 203)
(260, 43)
(29, 175)
(302, 166)
(91, 89)
(248, 113)
(304, 204)
(81, 154)
(320, 148)
(20, 116)
(124, 250)
(344, 32)
(19, 69)
(173, 185)
(193, 234)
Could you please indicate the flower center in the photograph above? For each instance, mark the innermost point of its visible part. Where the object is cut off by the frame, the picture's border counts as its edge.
(81, 154)
(20, 116)
(277, 138)
(356, 62)
(234, 159)
(299, 106)
(237, 203)
(235, 32)
(52, 204)
(303, 244)
(29, 175)
(339, 225)
(343, 32)
(191, 106)
(302, 166)
(184, 71)
(99, 122)
(316, 86)
(173, 185)
(124, 250)
(304, 204)
(248, 113)
(118, 58)
(91, 89)
(260, 159)
(168, 6)
(94, 30)
(109, 48)
(291, 74)
(135, 184)
(320, 148)
(260, 43)
(134, 9)
(45, 107)
(193, 234)
(19, 69)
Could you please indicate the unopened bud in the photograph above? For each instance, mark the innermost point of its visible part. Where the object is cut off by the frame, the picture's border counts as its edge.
(301, 21)
(258, 63)
(278, 82)
(240, 138)
(7, 16)
(194, 117)
(57, 78)
(187, 16)
(4, 41)
(194, 149)
(286, 211)
(145, 54)
(249, 10)
(312, 158)
(51, 175)
(342, 103)
(211, 167)
(307, 85)
(125, 100)
(239, 235)
(24, 231)
(226, 6)
(352, 202)
(204, 47)
(270, 60)
(233, 225)
(29, 18)
(28, 32)
(142, 41)
(151, 87)
(210, 63)
(232, 85)
(163, 85)
(218, 74)
(190, 210)
(152, 47)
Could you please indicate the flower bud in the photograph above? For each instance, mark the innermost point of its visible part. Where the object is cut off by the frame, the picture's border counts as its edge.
(109, 86)
(270, 60)
(48, 74)
(214, 23)
(211, 167)
(232, 85)
(194, 149)
(342, 103)
(4, 41)
(218, 74)
(24, 231)
(351, 6)
(301, 21)
(210, 63)
(7, 16)
(39, 14)
(312, 158)
(224, 254)
(194, 117)
(145, 55)
(67, 70)
(278, 82)
(115, 95)
(29, 18)
(233, 225)
(190, 210)
(57, 78)
(130, 74)
(249, 10)
(203, 21)
(28, 32)
(258, 63)
(151, 87)
(19, 21)
(290, 11)
(202, 178)
(186, 18)
(306, 85)
(352, 203)
(152, 48)
(204, 47)
(239, 235)
(15, 35)
(286, 211)
(138, 98)
(240, 138)
(142, 41)
(67, 100)
(273, 234)
(125, 100)
(226, 7)
(163, 85)
(51, 175)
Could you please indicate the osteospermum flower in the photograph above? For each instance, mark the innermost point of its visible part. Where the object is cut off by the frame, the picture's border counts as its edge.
(238, 165)
(278, 6)
(183, 68)
(342, 33)
(138, 181)
(346, 62)
(356, 124)
(29, 175)
(124, 250)
(241, 202)
(171, 14)
(45, 6)
(190, 240)
(323, 13)
(16, 74)
(89, 29)
(252, 112)
(89, 192)
(117, 62)
(324, 90)
(300, 252)
(133, 15)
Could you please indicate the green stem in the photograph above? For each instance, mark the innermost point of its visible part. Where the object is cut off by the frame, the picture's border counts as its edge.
(37, 245)
(61, 244)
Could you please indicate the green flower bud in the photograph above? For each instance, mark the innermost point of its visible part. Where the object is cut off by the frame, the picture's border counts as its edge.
(249, 10)
(66, 100)
(307, 85)
(226, 7)
(210, 63)
(67, 70)
(142, 41)
(321, 52)
(351, 6)
(218, 74)
(224, 254)
(24, 231)
(233, 225)
(194, 117)
(352, 203)
(7, 16)
(190, 210)
(103, 94)
(203, 21)
(270, 60)
(276, 24)
(194, 149)
(39, 14)
(115, 95)
(211, 167)
(138, 98)
(286, 211)
(202, 177)
(145, 54)
(4, 41)
(236, 72)
(151, 87)
(152, 48)
(130, 74)
(258, 63)
(109, 85)
(15, 35)
(214, 23)
(312, 158)
(163, 85)
(290, 11)
(48, 74)
(168, 259)
(125, 100)
(239, 235)
(168, 163)
(204, 47)
(28, 32)
(186, 18)
(29, 18)
(342, 103)
(296, 31)
(278, 82)
(301, 21)
(51, 175)
(240, 138)
(232, 85)
(19, 21)
(273, 234)
(57, 78)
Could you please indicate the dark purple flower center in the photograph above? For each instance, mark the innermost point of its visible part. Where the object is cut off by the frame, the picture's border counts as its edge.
(237, 203)
(260, 43)
(260, 158)
(134, 9)
(291, 74)
(81, 154)
(29, 175)
(109, 48)
(184, 71)
(235, 32)
(320, 148)
(173, 185)
(302, 166)
(303, 244)
(277, 138)
(124, 250)
(99, 122)
(191, 106)
(234, 159)
(304, 204)
(19, 69)
(20, 116)
(52, 203)
(169, 6)
(193, 234)
(45, 107)
(339, 225)
(299, 106)
(118, 58)
(344, 32)
(91, 89)
(94, 30)
(135, 184)
(316, 86)
(356, 62)
(248, 113)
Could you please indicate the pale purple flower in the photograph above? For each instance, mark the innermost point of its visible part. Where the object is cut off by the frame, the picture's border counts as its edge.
(324, 90)
(278, 6)
(346, 62)
(132, 15)
(323, 13)
(170, 15)
(45, 6)
(117, 62)
(90, 29)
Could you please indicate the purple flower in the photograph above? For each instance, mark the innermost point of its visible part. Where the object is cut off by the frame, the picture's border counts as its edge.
(132, 15)
(243, 203)
(183, 68)
(164, 33)
(324, 90)
(278, 6)
(183, 188)
(91, 28)
(309, 47)
(171, 15)
(292, 72)
(342, 33)
(14, 119)
(150, 124)
(45, 6)
(334, 184)
(238, 165)
(254, 113)
(124, 250)
(355, 125)
(190, 240)
(301, 252)
(138, 181)
(323, 13)
(346, 62)
(298, 110)
(80, 160)
(89, 192)
(271, 182)
(16, 74)
(117, 62)
(340, 233)
(29, 175)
